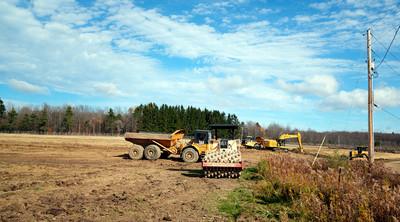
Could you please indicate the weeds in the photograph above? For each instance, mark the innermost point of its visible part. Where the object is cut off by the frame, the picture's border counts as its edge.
(236, 202)
(337, 160)
(287, 188)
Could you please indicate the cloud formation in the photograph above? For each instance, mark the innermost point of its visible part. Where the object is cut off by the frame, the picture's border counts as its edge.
(208, 55)
(27, 87)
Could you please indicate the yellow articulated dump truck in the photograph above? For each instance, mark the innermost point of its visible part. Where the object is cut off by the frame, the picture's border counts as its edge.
(152, 146)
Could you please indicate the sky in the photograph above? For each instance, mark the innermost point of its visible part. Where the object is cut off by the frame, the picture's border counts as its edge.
(297, 63)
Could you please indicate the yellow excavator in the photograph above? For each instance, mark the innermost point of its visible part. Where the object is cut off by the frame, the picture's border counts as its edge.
(278, 143)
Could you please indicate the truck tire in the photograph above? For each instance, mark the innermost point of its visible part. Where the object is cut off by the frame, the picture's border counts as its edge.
(136, 152)
(152, 152)
(190, 155)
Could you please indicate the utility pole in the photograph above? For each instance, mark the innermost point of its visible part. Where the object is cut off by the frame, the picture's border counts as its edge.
(371, 149)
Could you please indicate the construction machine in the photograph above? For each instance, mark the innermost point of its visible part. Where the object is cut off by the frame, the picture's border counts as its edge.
(224, 161)
(152, 146)
(249, 142)
(278, 143)
(359, 152)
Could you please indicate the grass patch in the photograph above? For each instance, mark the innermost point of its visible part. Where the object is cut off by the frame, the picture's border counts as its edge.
(336, 160)
(236, 203)
(284, 188)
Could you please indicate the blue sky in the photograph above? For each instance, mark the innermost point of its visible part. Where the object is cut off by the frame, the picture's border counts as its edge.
(297, 63)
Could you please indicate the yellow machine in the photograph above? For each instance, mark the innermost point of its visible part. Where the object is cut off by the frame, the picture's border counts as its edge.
(278, 143)
(153, 146)
(359, 152)
(201, 143)
(249, 142)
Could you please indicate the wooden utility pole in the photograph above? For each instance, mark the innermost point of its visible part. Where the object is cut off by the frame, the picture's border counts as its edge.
(371, 151)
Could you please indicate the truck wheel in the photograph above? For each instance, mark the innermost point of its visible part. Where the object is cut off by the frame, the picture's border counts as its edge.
(152, 152)
(190, 155)
(136, 152)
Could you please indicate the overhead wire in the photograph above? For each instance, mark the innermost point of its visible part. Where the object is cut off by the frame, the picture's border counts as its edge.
(380, 43)
(391, 67)
(390, 45)
(386, 111)
(352, 105)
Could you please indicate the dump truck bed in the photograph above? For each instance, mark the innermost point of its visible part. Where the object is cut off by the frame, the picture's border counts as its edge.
(154, 136)
(144, 139)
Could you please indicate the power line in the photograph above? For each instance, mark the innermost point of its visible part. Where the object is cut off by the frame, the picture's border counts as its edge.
(380, 43)
(391, 67)
(390, 45)
(386, 111)
(398, 73)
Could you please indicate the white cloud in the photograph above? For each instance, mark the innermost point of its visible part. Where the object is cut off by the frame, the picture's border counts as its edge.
(303, 18)
(320, 85)
(325, 5)
(127, 52)
(48, 7)
(108, 89)
(387, 97)
(27, 87)
(215, 7)
(357, 98)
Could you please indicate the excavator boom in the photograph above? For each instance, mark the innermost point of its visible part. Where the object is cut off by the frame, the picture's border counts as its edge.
(287, 136)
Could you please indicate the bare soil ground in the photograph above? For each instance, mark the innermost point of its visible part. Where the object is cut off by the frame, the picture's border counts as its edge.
(87, 178)
(77, 178)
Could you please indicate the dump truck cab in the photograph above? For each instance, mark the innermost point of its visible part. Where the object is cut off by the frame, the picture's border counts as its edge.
(207, 140)
(202, 136)
(196, 148)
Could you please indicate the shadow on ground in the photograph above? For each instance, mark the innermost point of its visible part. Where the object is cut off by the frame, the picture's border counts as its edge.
(189, 172)
(124, 156)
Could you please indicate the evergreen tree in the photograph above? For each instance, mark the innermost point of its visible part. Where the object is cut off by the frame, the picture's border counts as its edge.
(2, 110)
(43, 120)
(34, 121)
(25, 124)
(166, 118)
(12, 119)
(109, 121)
(138, 118)
(66, 124)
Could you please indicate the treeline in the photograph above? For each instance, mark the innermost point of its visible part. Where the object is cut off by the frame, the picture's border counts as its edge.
(166, 118)
(86, 120)
(384, 141)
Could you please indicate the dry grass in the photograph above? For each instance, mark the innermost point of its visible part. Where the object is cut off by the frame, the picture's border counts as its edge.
(335, 189)
(328, 151)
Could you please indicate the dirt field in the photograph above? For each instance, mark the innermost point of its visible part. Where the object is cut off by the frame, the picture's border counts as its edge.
(77, 178)
(90, 179)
